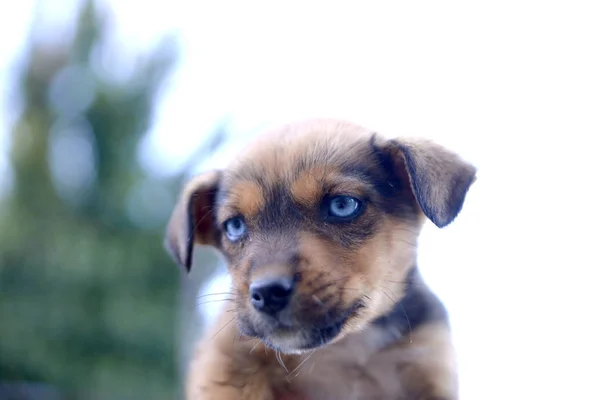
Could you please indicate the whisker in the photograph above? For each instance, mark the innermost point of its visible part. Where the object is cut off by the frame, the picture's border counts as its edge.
(407, 282)
(278, 356)
(193, 232)
(317, 300)
(215, 294)
(407, 321)
(213, 301)
(385, 287)
(301, 364)
(407, 230)
(386, 293)
(223, 327)
(254, 347)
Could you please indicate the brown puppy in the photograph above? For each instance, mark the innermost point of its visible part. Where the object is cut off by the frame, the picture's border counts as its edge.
(319, 223)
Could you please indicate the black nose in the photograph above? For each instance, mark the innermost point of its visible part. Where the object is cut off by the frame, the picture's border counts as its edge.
(271, 296)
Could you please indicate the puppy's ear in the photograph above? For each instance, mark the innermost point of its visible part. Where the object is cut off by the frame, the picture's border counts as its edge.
(192, 219)
(439, 178)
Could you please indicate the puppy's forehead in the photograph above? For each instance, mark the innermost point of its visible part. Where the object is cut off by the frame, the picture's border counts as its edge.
(280, 155)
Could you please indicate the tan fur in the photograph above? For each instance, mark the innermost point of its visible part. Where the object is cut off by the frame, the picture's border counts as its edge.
(363, 361)
(247, 197)
(307, 186)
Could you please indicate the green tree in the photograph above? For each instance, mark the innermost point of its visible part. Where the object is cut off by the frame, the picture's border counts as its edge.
(88, 295)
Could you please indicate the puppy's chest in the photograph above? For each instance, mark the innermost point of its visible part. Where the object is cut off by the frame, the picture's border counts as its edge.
(345, 372)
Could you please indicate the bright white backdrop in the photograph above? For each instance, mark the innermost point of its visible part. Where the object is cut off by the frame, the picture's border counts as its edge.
(513, 86)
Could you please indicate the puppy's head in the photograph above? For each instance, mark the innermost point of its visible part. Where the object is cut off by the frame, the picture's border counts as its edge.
(318, 222)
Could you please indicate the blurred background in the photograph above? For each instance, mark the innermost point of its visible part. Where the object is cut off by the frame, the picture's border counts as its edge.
(108, 106)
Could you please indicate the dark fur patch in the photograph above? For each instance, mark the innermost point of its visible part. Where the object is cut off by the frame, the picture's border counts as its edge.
(418, 307)
(329, 328)
(380, 171)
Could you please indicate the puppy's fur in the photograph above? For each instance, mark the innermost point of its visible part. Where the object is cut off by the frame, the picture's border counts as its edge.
(360, 323)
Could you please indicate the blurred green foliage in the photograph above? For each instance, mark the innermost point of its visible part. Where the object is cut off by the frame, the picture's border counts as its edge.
(88, 296)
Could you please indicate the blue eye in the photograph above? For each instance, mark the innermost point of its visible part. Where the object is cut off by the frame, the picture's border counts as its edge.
(344, 206)
(235, 228)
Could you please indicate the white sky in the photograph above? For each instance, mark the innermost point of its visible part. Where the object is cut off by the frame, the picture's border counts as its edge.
(513, 86)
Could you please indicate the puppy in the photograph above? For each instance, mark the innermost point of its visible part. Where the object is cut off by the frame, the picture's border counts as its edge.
(318, 222)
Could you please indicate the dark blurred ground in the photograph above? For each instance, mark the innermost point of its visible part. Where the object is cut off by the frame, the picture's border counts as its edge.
(89, 299)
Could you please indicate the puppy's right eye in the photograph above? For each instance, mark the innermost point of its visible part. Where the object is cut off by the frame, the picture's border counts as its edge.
(235, 228)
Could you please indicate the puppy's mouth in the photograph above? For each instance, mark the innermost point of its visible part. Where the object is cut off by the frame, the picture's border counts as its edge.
(301, 337)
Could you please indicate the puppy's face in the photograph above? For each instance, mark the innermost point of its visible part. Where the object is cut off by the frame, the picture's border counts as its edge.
(319, 223)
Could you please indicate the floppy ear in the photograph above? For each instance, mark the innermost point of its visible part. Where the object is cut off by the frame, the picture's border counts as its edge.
(439, 178)
(192, 219)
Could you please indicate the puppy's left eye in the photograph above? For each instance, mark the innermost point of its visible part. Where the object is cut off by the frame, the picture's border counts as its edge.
(344, 207)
